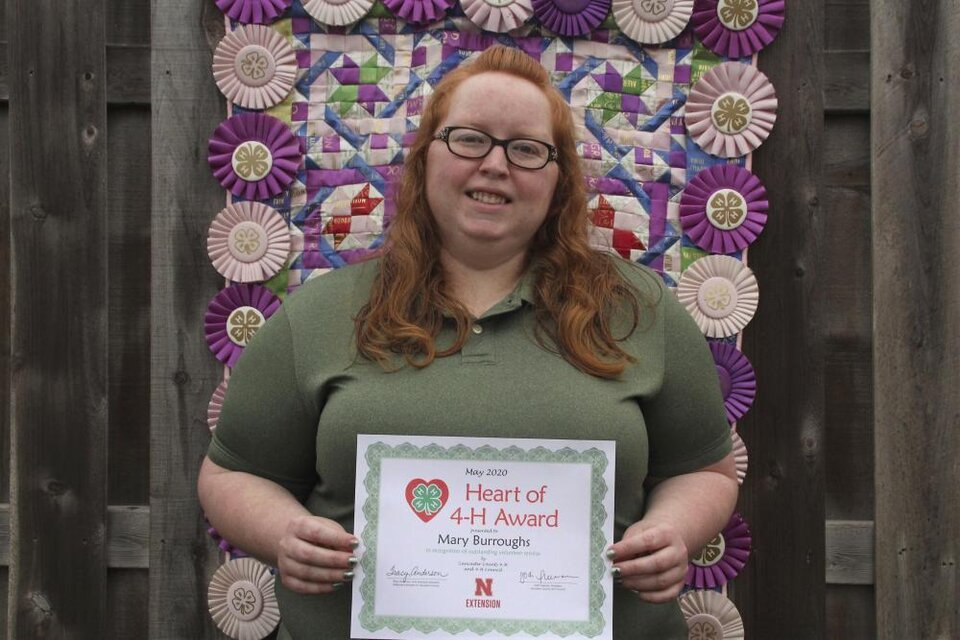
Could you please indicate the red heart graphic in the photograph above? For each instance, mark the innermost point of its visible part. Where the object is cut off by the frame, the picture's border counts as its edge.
(427, 498)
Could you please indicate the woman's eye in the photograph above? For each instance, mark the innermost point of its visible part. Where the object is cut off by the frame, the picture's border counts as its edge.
(528, 148)
(470, 138)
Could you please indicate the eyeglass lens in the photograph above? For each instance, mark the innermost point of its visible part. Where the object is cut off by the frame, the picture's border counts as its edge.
(523, 152)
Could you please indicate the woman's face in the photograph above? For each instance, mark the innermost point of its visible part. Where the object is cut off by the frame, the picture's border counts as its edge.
(486, 207)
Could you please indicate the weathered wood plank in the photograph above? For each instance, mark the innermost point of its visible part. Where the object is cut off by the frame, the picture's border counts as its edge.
(846, 86)
(849, 546)
(128, 206)
(847, 152)
(847, 24)
(848, 381)
(846, 288)
(916, 185)
(128, 22)
(186, 109)
(4, 579)
(850, 613)
(4, 304)
(59, 372)
(127, 603)
(783, 496)
(128, 74)
(127, 537)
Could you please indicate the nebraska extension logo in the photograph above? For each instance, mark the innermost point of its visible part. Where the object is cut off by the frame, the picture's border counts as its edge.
(483, 587)
(426, 497)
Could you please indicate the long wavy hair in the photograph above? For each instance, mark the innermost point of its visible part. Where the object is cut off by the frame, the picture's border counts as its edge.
(581, 299)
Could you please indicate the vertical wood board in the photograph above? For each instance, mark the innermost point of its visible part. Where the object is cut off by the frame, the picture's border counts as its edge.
(781, 592)
(128, 206)
(186, 108)
(4, 304)
(58, 306)
(916, 239)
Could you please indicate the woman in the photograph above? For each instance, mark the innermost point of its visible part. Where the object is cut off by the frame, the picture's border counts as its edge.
(487, 315)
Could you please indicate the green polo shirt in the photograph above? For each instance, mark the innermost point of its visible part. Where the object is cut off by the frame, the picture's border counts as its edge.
(299, 396)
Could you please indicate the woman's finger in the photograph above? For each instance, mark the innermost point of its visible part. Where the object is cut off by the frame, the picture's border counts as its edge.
(311, 588)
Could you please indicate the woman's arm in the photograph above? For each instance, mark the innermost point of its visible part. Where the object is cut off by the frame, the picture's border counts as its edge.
(683, 514)
(313, 554)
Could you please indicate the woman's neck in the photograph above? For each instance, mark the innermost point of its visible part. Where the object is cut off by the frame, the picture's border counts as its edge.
(477, 286)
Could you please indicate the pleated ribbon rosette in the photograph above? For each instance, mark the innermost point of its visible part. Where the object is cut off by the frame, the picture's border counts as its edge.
(652, 21)
(234, 316)
(248, 242)
(498, 15)
(711, 616)
(253, 11)
(254, 156)
(723, 208)
(731, 110)
(242, 600)
(721, 294)
(737, 28)
(337, 13)
(722, 558)
(254, 67)
(419, 11)
(738, 383)
(571, 17)
(739, 456)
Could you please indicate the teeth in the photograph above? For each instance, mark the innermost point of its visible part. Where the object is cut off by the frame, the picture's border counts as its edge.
(487, 198)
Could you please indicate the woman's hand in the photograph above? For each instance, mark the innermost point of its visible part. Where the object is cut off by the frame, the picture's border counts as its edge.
(651, 559)
(315, 555)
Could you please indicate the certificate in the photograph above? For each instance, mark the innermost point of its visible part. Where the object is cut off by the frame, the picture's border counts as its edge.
(483, 537)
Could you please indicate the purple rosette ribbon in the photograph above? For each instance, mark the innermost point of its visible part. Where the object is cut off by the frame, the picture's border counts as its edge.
(234, 316)
(253, 11)
(737, 28)
(724, 208)
(254, 156)
(571, 17)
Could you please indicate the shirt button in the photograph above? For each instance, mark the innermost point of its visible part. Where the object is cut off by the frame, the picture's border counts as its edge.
(477, 329)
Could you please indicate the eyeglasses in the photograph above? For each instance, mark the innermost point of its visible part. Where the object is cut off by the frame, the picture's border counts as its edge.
(471, 143)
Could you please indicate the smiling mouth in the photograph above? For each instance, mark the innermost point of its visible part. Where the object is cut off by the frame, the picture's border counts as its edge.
(486, 198)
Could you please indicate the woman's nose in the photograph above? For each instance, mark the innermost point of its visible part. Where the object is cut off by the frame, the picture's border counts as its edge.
(495, 161)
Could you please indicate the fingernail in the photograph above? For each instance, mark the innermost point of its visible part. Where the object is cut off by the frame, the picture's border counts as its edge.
(615, 572)
(353, 561)
(611, 554)
(354, 543)
(348, 575)
(336, 585)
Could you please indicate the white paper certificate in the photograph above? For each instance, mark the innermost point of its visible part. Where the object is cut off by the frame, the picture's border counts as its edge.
(483, 537)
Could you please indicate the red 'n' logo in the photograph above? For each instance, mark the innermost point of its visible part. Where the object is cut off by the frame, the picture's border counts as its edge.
(484, 587)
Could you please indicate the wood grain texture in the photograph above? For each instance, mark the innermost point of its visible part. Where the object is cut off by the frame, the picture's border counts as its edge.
(4, 299)
(846, 87)
(916, 231)
(128, 206)
(59, 371)
(850, 613)
(127, 537)
(128, 599)
(128, 74)
(847, 25)
(186, 109)
(4, 304)
(849, 552)
(783, 496)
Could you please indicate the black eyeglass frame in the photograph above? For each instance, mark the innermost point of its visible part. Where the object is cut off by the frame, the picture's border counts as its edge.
(444, 134)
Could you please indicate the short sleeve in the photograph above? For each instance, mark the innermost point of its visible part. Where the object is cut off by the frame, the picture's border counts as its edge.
(265, 428)
(686, 421)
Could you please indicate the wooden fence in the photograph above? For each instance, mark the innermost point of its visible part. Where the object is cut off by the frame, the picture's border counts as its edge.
(105, 107)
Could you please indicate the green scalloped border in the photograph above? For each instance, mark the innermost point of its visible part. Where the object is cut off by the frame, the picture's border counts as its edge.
(590, 628)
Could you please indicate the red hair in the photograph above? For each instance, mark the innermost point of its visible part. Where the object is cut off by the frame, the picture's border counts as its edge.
(580, 294)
